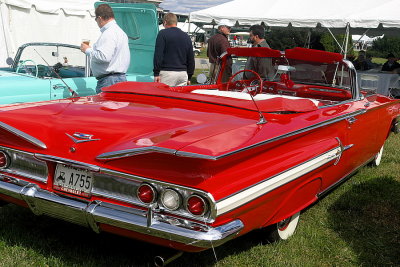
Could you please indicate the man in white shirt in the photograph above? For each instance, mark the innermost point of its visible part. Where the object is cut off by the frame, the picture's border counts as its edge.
(110, 55)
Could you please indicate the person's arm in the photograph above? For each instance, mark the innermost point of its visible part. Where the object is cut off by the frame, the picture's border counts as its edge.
(158, 55)
(104, 48)
(223, 46)
(190, 61)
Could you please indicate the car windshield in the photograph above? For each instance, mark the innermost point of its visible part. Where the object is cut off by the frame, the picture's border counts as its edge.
(299, 71)
(51, 55)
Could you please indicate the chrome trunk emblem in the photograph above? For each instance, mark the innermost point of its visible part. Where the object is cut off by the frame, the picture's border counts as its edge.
(81, 137)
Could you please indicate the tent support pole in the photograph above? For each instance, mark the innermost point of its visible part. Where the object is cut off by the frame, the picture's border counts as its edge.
(308, 39)
(334, 38)
(4, 30)
(346, 39)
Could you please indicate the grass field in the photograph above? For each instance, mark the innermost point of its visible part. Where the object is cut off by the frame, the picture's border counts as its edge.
(358, 224)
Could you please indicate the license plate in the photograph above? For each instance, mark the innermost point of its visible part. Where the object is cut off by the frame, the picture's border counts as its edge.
(73, 180)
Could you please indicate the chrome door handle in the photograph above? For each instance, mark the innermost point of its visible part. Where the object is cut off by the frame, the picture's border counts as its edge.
(351, 120)
(59, 86)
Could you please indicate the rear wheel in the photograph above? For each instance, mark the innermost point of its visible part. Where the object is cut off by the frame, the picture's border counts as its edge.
(283, 229)
(377, 159)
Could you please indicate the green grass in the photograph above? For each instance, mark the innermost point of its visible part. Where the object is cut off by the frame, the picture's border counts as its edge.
(358, 224)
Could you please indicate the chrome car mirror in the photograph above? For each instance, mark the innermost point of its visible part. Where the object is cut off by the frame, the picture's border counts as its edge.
(10, 61)
(201, 78)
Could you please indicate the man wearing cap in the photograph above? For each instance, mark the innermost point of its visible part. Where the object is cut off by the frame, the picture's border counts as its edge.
(217, 45)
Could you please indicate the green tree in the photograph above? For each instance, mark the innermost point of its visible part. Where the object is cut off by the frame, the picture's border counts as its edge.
(282, 39)
(383, 46)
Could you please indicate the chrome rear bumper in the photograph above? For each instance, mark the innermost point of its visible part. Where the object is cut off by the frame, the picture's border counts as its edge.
(90, 214)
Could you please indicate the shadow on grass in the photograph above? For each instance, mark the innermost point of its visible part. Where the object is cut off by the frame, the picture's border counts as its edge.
(58, 243)
(367, 217)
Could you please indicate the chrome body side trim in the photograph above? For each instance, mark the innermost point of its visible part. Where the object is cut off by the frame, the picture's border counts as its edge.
(271, 183)
(93, 213)
(23, 135)
(144, 150)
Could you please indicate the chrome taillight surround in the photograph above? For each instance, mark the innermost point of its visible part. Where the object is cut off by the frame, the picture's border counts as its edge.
(154, 193)
(123, 187)
(4, 159)
(111, 184)
(25, 164)
(203, 201)
(168, 194)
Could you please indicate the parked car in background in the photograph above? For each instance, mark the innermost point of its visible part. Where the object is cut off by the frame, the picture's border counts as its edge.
(192, 167)
(196, 51)
(46, 71)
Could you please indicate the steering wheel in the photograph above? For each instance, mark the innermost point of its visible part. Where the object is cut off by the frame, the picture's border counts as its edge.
(22, 64)
(242, 84)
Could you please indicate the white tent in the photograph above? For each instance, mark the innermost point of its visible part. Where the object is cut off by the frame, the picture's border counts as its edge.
(186, 27)
(305, 13)
(382, 16)
(61, 21)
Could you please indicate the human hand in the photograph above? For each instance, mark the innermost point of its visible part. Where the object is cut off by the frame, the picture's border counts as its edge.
(157, 79)
(188, 82)
(84, 47)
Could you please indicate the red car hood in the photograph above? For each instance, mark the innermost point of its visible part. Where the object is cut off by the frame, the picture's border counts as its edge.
(111, 126)
(104, 126)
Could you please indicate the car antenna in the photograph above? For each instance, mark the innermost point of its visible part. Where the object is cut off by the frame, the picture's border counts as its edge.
(73, 93)
(262, 119)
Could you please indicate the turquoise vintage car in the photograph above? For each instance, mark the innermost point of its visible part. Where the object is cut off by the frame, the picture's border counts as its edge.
(47, 71)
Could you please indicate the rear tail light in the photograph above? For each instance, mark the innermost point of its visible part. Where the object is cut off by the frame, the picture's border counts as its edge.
(171, 199)
(4, 160)
(146, 193)
(196, 205)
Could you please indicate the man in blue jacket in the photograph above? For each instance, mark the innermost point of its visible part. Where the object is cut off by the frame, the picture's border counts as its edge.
(173, 55)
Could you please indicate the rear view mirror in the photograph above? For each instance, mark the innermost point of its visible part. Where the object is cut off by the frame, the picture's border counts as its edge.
(54, 54)
(285, 68)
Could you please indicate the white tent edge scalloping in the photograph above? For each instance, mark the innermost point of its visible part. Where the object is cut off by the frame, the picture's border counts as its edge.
(365, 14)
(69, 7)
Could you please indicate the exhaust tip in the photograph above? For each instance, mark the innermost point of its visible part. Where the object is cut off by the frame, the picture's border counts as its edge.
(164, 260)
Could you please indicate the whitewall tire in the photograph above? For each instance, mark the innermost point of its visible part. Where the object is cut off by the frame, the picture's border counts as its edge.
(283, 229)
(377, 159)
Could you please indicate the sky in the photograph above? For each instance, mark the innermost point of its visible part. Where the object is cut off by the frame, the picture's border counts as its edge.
(187, 6)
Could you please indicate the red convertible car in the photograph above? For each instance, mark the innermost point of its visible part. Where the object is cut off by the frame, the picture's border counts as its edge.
(192, 167)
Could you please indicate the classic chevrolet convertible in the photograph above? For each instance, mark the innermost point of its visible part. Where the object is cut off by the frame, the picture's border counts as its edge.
(192, 167)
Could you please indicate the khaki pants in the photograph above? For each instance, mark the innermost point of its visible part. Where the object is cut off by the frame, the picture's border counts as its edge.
(174, 78)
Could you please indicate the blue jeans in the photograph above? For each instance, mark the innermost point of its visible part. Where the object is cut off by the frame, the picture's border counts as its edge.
(109, 80)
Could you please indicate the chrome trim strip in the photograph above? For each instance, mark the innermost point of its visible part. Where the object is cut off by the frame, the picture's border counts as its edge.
(134, 178)
(271, 183)
(23, 135)
(207, 195)
(300, 131)
(134, 151)
(73, 163)
(25, 164)
(91, 214)
(144, 150)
